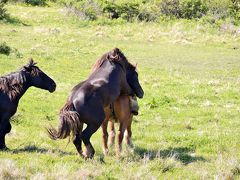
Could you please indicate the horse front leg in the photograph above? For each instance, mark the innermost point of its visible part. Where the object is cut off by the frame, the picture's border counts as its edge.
(105, 136)
(5, 127)
(121, 131)
(128, 134)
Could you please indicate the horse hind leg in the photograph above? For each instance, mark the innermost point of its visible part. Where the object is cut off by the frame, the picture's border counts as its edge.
(112, 133)
(88, 132)
(77, 141)
(105, 137)
(120, 135)
(86, 135)
(128, 134)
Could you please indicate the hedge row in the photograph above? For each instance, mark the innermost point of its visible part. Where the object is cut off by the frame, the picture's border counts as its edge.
(147, 10)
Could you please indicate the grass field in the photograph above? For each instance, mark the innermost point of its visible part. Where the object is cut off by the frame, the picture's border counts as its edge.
(189, 121)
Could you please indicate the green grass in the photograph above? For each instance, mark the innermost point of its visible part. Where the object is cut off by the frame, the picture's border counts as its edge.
(188, 126)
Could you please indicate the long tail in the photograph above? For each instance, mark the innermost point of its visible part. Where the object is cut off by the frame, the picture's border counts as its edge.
(69, 123)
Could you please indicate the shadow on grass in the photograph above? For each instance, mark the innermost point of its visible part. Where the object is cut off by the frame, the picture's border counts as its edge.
(35, 149)
(183, 154)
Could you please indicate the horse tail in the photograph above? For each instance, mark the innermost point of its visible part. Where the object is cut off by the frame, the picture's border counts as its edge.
(69, 123)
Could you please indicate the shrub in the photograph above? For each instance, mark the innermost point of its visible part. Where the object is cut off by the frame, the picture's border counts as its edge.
(4, 49)
(218, 9)
(3, 11)
(36, 2)
(87, 10)
(235, 9)
(193, 9)
(148, 12)
(111, 10)
(187, 9)
(127, 11)
(171, 8)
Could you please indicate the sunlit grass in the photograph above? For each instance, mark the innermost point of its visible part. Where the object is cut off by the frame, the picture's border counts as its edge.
(188, 126)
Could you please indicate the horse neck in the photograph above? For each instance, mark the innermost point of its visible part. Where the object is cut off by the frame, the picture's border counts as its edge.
(18, 89)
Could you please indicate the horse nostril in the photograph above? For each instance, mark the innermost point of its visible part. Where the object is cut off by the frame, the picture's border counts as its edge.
(52, 87)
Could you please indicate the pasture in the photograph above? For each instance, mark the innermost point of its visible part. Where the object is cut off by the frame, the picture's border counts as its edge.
(189, 121)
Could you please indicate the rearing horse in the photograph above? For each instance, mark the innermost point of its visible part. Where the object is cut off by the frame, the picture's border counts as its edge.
(114, 77)
(121, 111)
(13, 87)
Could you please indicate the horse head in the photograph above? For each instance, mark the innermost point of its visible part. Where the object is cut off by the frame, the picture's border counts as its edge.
(38, 78)
(132, 79)
(131, 73)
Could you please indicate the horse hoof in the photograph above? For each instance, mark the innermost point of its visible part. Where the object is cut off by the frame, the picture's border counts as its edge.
(105, 152)
(4, 148)
(86, 157)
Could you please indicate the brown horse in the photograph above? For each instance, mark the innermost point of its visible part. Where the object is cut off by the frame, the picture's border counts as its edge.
(122, 115)
(114, 77)
(120, 111)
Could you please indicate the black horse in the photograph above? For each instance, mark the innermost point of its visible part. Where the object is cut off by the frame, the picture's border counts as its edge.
(13, 87)
(115, 76)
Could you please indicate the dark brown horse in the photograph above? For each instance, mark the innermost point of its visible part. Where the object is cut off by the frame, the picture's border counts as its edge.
(114, 77)
(13, 87)
(120, 111)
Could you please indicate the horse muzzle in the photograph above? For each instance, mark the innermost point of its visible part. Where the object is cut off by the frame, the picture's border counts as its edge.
(140, 94)
(52, 88)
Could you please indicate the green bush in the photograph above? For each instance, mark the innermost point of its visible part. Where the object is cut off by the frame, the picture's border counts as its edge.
(87, 10)
(193, 9)
(171, 8)
(3, 11)
(4, 49)
(127, 11)
(186, 9)
(235, 9)
(36, 2)
(218, 9)
(111, 10)
(153, 10)
(148, 12)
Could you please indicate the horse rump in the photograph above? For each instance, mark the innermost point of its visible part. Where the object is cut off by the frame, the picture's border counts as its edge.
(69, 123)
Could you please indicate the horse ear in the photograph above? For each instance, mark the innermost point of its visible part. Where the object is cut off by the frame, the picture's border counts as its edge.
(116, 50)
(115, 54)
(27, 68)
(31, 62)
